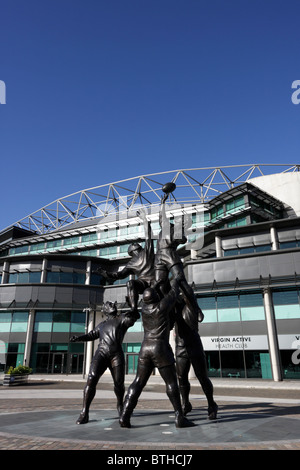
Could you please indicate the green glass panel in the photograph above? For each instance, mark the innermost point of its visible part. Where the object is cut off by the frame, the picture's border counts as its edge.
(266, 368)
(285, 297)
(76, 347)
(5, 317)
(229, 314)
(43, 322)
(59, 347)
(286, 311)
(137, 327)
(210, 316)
(61, 327)
(252, 313)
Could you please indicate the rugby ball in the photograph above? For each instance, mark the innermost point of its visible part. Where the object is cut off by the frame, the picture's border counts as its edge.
(169, 188)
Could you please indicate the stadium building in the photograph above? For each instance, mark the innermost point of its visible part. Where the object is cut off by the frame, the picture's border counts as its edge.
(242, 260)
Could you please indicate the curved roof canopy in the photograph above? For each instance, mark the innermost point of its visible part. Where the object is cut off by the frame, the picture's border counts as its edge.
(193, 186)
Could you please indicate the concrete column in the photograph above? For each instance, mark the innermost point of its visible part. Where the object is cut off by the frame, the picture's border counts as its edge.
(5, 273)
(272, 336)
(218, 243)
(88, 272)
(28, 341)
(89, 344)
(44, 271)
(274, 238)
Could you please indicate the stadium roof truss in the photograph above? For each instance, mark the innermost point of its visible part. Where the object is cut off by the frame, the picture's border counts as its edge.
(193, 186)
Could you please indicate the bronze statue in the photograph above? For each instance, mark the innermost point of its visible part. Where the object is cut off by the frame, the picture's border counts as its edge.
(156, 352)
(141, 265)
(164, 303)
(108, 355)
(167, 259)
(189, 350)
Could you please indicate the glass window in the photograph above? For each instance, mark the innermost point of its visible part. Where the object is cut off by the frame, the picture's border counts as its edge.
(235, 203)
(261, 248)
(15, 354)
(97, 279)
(25, 278)
(52, 277)
(237, 222)
(43, 322)
(65, 278)
(89, 238)
(253, 364)
(137, 327)
(284, 245)
(13, 278)
(40, 347)
(213, 363)
(133, 347)
(252, 307)
(78, 278)
(241, 221)
(76, 347)
(113, 250)
(286, 311)
(19, 322)
(286, 304)
(78, 322)
(35, 278)
(290, 369)
(37, 247)
(232, 363)
(285, 297)
(244, 251)
(54, 244)
(20, 249)
(228, 308)
(208, 307)
(59, 347)
(71, 241)
(88, 252)
(5, 322)
(61, 322)
(217, 211)
(232, 252)
(103, 251)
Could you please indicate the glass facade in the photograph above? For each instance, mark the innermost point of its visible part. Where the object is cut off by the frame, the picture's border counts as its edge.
(231, 355)
(56, 356)
(13, 322)
(286, 304)
(232, 307)
(234, 330)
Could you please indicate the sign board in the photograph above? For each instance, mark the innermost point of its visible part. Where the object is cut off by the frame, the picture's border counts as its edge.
(251, 342)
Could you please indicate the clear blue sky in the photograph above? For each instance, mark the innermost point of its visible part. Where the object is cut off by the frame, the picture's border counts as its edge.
(101, 90)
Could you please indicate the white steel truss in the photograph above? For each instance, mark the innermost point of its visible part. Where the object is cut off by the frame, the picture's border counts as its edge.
(195, 185)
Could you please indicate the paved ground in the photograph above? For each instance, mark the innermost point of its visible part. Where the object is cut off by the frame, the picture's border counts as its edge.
(253, 415)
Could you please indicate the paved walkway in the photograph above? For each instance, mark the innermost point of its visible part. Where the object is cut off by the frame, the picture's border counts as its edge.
(252, 415)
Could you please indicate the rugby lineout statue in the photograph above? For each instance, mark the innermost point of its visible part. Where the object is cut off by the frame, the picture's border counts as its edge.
(165, 303)
(108, 355)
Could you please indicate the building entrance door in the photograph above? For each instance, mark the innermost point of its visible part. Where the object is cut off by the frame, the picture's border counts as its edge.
(58, 363)
(76, 364)
(131, 363)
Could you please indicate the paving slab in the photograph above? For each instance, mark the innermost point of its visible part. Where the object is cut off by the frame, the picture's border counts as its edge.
(43, 417)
